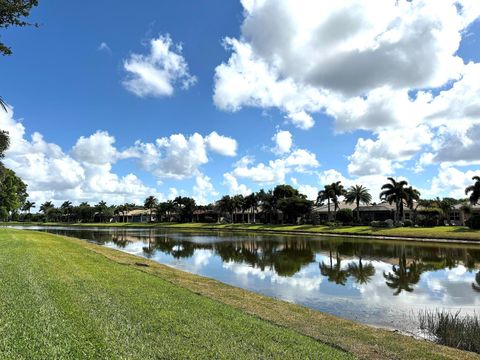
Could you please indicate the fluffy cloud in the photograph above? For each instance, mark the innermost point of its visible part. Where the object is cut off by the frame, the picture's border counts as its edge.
(274, 172)
(203, 190)
(222, 145)
(283, 142)
(96, 149)
(306, 56)
(383, 156)
(157, 73)
(388, 67)
(179, 157)
(51, 174)
(450, 181)
(234, 187)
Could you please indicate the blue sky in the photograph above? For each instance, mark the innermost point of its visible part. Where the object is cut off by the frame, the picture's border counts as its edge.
(333, 81)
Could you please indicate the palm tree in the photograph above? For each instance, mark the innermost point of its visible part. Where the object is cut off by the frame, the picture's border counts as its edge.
(251, 202)
(395, 192)
(67, 209)
(476, 284)
(238, 204)
(226, 205)
(150, 203)
(3, 104)
(474, 190)
(101, 207)
(28, 206)
(45, 207)
(337, 190)
(331, 193)
(358, 194)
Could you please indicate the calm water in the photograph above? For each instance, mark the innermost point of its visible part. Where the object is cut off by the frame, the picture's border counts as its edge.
(374, 282)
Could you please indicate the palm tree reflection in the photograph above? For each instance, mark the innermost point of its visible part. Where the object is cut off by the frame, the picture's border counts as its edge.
(334, 273)
(476, 284)
(402, 276)
(361, 273)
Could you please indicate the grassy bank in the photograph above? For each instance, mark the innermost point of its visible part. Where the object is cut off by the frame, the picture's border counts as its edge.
(61, 300)
(67, 298)
(439, 232)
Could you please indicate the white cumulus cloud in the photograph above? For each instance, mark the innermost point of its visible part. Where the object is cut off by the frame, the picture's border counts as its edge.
(157, 73)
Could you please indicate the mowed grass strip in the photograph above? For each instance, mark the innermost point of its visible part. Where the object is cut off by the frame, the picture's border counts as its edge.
(60, 300)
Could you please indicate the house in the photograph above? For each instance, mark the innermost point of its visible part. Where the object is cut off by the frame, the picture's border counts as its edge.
(320, 213)
(368, 213)
(136, 216)
(459, 215)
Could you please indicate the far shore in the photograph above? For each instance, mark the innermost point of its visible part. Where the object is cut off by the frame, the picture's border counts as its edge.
(443, 234)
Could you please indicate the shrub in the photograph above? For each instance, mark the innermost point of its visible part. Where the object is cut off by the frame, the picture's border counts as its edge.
(473, 222)
(462, 332)
(345, 216)
(389, 223)
(408, 223)
(429, 217)
(378, 224)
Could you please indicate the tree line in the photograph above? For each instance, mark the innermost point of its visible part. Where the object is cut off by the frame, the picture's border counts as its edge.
(283, 204)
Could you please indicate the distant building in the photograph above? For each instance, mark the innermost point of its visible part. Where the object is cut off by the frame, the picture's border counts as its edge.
(458, 216)
(136, 216)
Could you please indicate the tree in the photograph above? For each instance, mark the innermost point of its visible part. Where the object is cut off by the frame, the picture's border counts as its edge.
(267, 203)
(446, 204)
(150, 203)
(325, 195)
(67, 208)
(394, 192)
(45, 207)
(164, 208)
(358, 194)
(13, 191)
(28, 206)
(226, 205)
(294, 207)
(185, 207)
(238, 204)
(101, 209)
(337, 190)
(251, 203)
(84, 212)
(474, 189)
(12, 13)
(4, 141)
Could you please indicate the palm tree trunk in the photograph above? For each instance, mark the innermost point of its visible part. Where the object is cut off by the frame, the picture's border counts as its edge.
(358, 210)
(328, 202)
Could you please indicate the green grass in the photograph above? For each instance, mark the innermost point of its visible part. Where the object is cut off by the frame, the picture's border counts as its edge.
(68, 298)
(61, 300)
(439, 232)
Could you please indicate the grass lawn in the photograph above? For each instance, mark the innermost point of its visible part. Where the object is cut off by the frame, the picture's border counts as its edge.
(439, 232)
(67, 298)
(61, 300)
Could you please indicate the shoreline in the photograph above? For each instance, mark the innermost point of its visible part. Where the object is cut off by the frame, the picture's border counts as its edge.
(277, 229)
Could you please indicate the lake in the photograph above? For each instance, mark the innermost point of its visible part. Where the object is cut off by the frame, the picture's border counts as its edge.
(381, 283)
